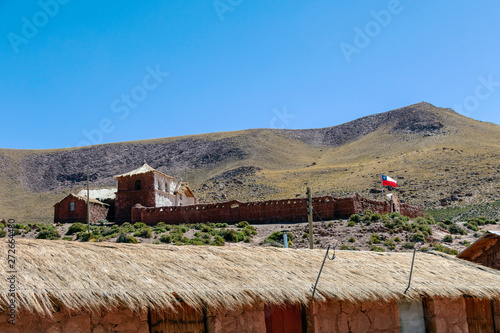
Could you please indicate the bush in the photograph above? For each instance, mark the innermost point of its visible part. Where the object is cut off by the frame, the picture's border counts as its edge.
(144, 232)
(84, 236)
(242, 224)
(347, 247)
(397, 239)
(2, 233)
(111, 232)
(409, 245)
(139, 225)
(374, 239)
(48, 232)
(351, 240)
(351, 224)
(448, 239)
(417, 238)
(249, 230)
(456, 230)
(355, 218)
(67, 238)
(444, 249)
(165, 238)
(376, 217)
(76, 227)
(218, 241)
(123, 238)
(221, 225)
(390, 244)
(377, 248)
(247, 239)
(231, 235)
(127, 227)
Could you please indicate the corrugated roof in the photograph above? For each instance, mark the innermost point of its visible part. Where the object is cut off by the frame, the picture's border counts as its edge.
(93, 275)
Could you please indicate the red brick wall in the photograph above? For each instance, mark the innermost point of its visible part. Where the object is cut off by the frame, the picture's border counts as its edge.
(272, 211)
(63, 214)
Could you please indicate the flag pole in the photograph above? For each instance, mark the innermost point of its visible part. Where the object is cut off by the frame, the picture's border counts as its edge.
(382, 183)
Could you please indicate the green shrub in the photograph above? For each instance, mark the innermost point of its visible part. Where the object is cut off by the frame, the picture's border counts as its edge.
(351, 224)
(448, 239)
(374, 239)
(111, 232)
(218, 241)
(390, 244)
(442, 225)
(377, 248)
(221, 225)
(165, 238)
(231, 235)
(417, 238)
(127, 227)
(3, 233)
(67, 238)
(376, 217)
(355, 218)
(123, 238)
(330, 224)
(351, 240)
(49, 232)
(139, 225)
(195, 241)
(249, 230)
(84, 236)
(409, 245)
(76, 227)
(348, 247)
(242, 224)
(144, 232)
(397, 239)
(444, 249)
(456, 230)
(247, 239)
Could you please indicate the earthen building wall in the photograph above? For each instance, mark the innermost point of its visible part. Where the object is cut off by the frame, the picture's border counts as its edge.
(79, 214)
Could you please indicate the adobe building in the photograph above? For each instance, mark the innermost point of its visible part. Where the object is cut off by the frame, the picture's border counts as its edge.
(148, 187)
(73, 208)
(96, 287)
(484, 251)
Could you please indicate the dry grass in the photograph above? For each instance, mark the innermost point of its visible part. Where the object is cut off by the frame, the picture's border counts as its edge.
(89, 276)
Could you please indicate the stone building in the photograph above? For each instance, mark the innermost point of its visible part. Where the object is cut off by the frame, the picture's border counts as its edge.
(484, 251)
(73, 208)
(94, 287)
(150, 188)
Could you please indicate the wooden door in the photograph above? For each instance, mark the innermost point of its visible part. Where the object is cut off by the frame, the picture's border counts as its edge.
(185, 320)
(284, 319)
(479, 315)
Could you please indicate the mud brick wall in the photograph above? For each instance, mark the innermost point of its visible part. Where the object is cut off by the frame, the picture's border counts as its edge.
(338, 316)
(443, 315)
(411, 211)
(247, 319)
(63, 214)
(271, 211)
(117, 320)
(127, 196)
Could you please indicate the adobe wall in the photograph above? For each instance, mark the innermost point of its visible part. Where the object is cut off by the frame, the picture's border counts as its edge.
(496, 314)
(63, 214)
(271, 211)
(246, 319)
(339, 316)
(117, 320)
(411, 211)
(488, 255)
(444, 315)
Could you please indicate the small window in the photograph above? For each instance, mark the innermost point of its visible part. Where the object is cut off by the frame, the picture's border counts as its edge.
(72, 206)
(137, 185)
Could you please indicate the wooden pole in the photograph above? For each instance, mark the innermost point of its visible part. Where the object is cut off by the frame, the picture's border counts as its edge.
(310, 217)
(382, 183)
(88, 201)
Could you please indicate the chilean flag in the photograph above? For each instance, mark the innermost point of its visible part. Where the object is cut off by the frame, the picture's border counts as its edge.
(388, 181)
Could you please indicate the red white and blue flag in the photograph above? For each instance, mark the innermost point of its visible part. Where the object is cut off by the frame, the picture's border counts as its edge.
(388, 181)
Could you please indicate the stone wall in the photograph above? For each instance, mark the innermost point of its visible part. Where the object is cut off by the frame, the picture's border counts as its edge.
(117, 320)
(271, 211)
(127, 196)
(338, 316)
(247, 319)
(444, 315)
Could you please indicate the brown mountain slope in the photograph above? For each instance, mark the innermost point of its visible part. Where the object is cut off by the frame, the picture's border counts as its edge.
(438, 156)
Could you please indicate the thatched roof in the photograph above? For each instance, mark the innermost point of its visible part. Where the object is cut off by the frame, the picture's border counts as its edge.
(100, 194)
(92, 275)
(143, 169)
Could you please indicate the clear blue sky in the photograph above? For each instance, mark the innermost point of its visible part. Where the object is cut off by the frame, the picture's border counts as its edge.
(100, 67)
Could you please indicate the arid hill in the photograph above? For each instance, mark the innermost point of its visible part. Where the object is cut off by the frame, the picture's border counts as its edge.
(440, 158)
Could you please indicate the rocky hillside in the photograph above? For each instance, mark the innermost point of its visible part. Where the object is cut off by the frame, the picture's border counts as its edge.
(440, 158)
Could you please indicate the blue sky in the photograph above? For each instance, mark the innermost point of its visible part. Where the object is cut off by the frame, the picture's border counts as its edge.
(90, 72)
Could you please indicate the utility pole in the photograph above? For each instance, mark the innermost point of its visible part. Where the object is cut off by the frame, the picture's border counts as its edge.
(88, 201)
(310, 217)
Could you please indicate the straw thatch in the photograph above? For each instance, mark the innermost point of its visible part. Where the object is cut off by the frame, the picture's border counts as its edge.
(143, 169)
(90, 275)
